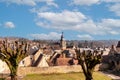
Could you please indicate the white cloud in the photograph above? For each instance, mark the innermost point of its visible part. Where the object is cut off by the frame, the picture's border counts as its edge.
(41, 9)
(115, 8)
(9, 24)
(85, 37)
(50, 36)
(52, 3)
(85, 2)
(110, 1)
(30, 2)
(60, 21)
(70, 20)
(113, 5)
(110, 26)
(91, 2)
(63, 17)
(20, 2)
(110, 23)
(114, 32)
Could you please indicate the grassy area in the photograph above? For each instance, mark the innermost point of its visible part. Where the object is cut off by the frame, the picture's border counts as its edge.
(68, 76)
(2, 79)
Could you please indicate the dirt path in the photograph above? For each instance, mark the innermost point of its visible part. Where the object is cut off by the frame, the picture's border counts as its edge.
(114, 77)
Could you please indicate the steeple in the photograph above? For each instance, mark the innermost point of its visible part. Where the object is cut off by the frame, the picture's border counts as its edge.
(62, 37)
(62, 42)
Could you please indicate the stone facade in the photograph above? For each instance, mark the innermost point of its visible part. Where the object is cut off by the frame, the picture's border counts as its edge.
(118, 47)
(64, 61)
(113, 58)
(36, 60)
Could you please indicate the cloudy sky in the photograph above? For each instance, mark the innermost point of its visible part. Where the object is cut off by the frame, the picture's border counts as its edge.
(46, 19)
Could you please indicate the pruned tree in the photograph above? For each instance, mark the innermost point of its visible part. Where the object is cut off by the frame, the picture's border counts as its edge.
(12, 54)
(88, 60)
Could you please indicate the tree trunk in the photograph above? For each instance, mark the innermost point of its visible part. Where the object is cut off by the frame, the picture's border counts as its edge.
(13, 77)
(89, 77)
(14, 73)
(89, 74)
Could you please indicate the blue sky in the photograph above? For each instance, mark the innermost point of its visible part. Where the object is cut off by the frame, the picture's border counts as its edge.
(46, 19)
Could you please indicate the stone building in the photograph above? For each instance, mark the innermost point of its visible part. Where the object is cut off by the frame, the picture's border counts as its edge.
(113, 58)
(113, 50)
(118, 47)
(37, 59)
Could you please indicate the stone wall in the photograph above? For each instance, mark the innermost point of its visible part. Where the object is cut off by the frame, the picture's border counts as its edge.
(22, 71)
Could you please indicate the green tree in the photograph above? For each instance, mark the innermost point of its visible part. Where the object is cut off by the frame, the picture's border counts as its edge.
(88, 60)
(12, 54)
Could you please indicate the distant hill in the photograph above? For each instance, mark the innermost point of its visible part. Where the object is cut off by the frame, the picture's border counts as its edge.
(109, 42)
(95, 43)
(14, 38)
(79, 43)
(83, 43)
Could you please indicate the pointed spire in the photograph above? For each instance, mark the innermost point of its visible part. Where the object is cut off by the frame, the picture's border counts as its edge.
(62, 36)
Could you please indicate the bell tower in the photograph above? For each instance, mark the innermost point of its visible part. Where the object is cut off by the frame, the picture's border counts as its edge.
(62, 42)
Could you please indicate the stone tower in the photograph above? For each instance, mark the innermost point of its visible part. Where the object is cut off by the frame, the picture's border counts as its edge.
(62, 42)
(118, 47)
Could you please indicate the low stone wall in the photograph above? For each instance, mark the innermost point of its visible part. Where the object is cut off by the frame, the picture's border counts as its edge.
(22, 71)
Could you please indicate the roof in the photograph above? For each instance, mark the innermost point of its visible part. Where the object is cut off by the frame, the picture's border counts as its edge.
(48, 51)
(118, 45)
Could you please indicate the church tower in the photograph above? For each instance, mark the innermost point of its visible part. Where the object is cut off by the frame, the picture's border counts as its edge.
(62, 42)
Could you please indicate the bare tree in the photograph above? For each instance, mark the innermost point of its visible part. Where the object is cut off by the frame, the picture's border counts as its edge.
(12, 54)
(88, 60)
